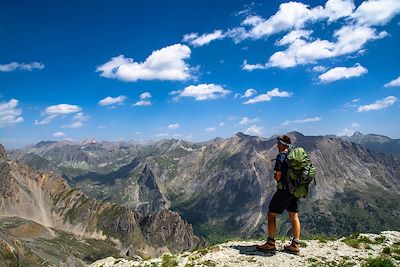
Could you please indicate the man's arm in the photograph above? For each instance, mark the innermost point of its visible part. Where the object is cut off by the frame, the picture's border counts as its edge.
(277, 175)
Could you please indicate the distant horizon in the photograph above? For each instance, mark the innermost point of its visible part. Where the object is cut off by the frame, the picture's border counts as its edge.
(134, 70)
(176, 138)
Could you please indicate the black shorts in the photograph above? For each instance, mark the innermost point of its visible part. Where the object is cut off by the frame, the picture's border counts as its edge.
(283, 200)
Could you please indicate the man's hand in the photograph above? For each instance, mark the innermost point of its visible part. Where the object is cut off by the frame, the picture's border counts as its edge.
(277, 176)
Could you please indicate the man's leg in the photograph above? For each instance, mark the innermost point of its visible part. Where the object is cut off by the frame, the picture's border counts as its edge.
(294, 246)
(294, 218)
(272, 224)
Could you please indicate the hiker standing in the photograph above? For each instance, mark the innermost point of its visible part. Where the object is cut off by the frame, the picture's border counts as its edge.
(282, 200)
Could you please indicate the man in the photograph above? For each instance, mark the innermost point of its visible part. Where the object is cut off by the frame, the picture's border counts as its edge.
(281, 201)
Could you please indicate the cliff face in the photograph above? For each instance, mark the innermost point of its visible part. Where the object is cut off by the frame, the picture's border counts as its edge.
(47, 199)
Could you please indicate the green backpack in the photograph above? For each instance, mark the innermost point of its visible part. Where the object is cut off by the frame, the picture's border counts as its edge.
(301, 172)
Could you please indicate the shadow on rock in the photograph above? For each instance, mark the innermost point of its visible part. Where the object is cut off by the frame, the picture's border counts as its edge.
(251, 250)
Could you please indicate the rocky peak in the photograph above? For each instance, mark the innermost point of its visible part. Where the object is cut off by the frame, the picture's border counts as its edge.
(150, 197)
(349, 251)
(241, 135)
(357, 134)
(3, 153)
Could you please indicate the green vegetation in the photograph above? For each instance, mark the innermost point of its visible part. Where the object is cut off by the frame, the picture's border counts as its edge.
(168, 261)
(378, 262)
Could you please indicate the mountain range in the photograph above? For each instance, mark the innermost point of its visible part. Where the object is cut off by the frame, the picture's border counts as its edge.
(44, 220)
(223, 186)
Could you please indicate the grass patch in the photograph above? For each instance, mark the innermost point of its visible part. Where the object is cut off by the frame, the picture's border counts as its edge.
(355, 240)
(168, 261)
(378, 262)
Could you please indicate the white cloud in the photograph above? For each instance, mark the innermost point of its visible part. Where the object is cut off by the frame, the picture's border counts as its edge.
(173, 126)
(293, 36)
(145, 95)
(246, 121)
(249, 93)
(162, 135)
(56, 110)
(250, 67)
(20, 66)
(307, 120)
(221, 124)
(348, 131)
(144, 99)
(319, 68)
(349, 39)
(210, 129)
(78, 122)
(291, 15)
(62, 109)
(108, 101)
(201, 92)
(254, 130)
(395, 82)
(59, 134)
(340, 73)
(380, 104)
(142, 103)
(9, 113)
(168, 63)
(377, 12)
(268, 96)
(336, 9)
(80, 117)
(204, 39)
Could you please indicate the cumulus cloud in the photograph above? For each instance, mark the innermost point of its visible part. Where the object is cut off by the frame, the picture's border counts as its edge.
(168, 63)
(268, 96)
(173, 126)
(204, 39)
(142, 103)
(144, 99)
(54, 111)
(249, 93)
(250, 67)
(145, 95)
(376, 12)
(201, 92)
(349, 39)
(9, 113)
(293, 36)
(112, 101)
(307, 120)
(349, 130)
(246, 121)
(254, 130)
(380, 104)
(13, 66)
(59, 134)
(340, 73)
(393, 83)
(78, 121)
(291, 15)
(319, 68)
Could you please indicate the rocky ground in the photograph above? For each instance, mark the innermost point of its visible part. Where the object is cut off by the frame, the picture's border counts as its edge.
(356, 250)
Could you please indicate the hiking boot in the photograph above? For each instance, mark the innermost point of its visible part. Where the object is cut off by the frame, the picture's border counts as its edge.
(294, 247)
(269, 246)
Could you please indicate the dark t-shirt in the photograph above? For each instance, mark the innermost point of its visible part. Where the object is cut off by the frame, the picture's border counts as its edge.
(282, 166)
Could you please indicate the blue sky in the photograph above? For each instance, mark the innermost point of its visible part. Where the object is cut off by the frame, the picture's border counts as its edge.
(194, 70)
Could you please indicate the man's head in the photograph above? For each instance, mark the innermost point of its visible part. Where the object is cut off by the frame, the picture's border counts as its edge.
(283, 142)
